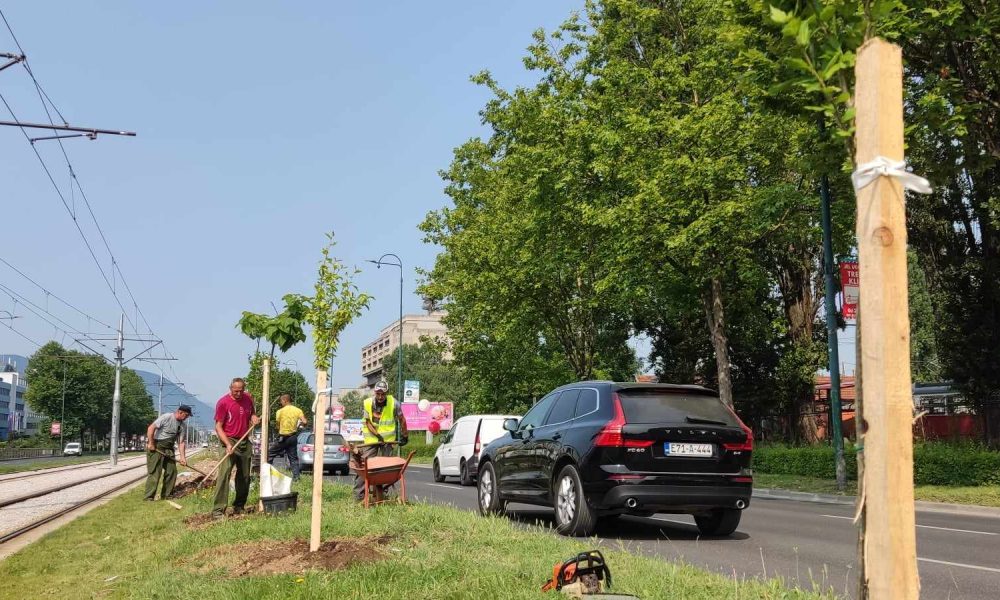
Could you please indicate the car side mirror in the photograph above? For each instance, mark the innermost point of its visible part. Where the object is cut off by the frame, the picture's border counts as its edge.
(510, 425)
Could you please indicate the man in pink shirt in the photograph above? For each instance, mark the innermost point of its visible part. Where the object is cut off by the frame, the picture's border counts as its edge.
(234, 416)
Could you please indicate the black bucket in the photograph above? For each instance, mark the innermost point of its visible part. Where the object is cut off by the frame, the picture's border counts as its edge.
(279, 504)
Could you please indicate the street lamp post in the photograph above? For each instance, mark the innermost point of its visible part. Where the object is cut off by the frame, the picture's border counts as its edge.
(399, 263)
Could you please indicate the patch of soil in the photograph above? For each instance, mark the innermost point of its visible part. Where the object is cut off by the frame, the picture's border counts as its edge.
(270, 557)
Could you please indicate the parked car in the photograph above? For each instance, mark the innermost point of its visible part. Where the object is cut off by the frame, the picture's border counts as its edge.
(459, 452)
(73, 449)
(204, 444)
(599, 449)
(336, 452)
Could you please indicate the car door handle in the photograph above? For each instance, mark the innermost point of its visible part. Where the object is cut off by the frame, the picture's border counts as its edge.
(557, 436)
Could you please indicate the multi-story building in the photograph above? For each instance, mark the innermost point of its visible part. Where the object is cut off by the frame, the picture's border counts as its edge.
(15, 415)
(415, 329)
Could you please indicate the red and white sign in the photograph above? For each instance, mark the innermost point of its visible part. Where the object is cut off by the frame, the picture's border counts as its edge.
(337, 411)
(56, 428)
(419, 415)
(850, 282)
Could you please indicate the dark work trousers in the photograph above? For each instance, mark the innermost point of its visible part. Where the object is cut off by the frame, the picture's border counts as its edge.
(287, 446)
(239, 461)
(156, 465)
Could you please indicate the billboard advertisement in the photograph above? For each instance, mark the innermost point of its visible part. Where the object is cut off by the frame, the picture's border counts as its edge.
(850, 282)
(56, 428)
(419, 415)
(411, 391)
(351, 430)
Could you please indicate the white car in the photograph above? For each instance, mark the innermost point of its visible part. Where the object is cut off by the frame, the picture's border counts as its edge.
(73, 449)
(458, 454)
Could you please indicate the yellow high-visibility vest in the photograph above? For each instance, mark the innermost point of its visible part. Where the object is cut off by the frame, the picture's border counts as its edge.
(386, 425)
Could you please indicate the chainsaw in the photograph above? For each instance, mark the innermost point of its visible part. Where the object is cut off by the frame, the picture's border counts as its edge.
(585, 575)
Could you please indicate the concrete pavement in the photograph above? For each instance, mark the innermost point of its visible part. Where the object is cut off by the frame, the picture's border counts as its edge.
(812, 546)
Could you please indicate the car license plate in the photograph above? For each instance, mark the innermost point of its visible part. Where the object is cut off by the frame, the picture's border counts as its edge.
(674, 449)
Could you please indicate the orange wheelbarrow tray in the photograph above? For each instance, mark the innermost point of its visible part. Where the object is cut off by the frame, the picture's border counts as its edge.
(379, 472)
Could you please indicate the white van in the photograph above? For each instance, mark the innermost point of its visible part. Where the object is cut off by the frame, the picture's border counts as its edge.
(459, 452)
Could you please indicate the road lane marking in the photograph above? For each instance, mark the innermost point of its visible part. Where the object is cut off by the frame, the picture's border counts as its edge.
(925, 526)
(955, 564)
(443, 485)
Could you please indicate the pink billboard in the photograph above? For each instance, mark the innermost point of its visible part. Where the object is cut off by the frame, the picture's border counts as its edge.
(419, 415)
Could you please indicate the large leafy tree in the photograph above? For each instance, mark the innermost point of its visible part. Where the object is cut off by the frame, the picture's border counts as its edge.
(89, 387)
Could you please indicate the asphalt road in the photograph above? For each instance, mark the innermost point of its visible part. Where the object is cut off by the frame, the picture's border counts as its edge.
(812, 546)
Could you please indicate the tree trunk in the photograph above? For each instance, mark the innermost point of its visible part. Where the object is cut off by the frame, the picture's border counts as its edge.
(716, 318)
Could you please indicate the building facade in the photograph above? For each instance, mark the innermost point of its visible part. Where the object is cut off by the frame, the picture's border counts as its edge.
(415, 329)
(15, 415)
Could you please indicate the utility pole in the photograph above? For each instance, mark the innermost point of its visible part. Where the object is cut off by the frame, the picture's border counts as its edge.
(159, 406)
(831, 330)
(62, 423)
(116, 399)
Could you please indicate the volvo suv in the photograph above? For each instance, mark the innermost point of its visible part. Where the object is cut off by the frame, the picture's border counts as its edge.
(600, 449)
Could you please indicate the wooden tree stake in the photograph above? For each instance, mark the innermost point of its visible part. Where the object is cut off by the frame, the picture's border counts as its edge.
(265, 409)
(889, 548)
(319, 427)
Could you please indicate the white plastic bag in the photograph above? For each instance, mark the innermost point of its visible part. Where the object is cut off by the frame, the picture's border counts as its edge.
(274, 483)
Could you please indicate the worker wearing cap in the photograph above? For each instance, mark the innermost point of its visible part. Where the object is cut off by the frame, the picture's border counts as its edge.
(161, 435)
(380, 418)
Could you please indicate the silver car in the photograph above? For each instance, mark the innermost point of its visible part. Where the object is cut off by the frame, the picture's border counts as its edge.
(336, 452)
(73, 448)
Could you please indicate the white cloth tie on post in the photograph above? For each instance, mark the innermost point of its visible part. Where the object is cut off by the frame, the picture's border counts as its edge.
(882, 166)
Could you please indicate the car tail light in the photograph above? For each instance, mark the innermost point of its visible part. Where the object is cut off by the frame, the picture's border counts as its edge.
(747, 444)
(344, 449)
(307, 448)
(611, 435)
(626, 477)
(476, 446)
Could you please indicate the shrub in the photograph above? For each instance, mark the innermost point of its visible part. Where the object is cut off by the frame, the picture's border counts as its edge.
(934, 463)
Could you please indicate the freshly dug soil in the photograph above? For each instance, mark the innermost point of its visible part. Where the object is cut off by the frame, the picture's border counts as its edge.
(270, 557)
(187, 483)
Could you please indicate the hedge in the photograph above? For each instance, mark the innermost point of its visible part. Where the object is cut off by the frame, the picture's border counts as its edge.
(934, 463)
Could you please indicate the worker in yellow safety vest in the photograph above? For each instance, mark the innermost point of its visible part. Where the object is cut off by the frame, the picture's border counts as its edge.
(381, 415)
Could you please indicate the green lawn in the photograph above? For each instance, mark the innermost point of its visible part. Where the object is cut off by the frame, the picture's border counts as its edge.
(131, 549)
(982, 495)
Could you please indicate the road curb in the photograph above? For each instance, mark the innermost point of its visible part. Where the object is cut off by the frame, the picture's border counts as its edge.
(920, 505)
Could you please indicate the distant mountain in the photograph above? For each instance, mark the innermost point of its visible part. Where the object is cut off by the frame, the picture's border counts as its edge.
(174, 395)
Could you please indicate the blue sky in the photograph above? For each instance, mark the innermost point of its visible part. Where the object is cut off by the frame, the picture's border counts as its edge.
(261, 126)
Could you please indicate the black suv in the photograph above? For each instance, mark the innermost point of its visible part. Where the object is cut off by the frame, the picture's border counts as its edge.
(601, 449)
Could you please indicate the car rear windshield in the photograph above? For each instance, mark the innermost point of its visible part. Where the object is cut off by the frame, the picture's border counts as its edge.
(330, 439)
(663, 406)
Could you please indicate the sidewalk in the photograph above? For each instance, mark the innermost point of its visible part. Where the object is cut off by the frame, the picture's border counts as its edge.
(921, 506)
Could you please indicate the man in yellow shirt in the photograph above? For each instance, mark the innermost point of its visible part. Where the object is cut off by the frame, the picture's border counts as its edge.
(288, 418)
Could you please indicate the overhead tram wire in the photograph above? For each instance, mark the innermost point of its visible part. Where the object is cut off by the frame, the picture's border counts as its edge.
(52, 295)
(46, 101)
(28, 304)
(11, 327)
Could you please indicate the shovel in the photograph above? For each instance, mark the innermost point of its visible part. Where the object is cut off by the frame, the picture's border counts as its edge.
(206, 477)
(171, 457)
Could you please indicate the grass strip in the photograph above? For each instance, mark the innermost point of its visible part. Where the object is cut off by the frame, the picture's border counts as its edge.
(133, 549)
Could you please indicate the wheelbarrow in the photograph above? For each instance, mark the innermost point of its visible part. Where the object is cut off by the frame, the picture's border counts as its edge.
(380, 472)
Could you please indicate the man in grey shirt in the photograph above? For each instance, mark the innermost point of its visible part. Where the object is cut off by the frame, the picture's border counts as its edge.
(161, 435)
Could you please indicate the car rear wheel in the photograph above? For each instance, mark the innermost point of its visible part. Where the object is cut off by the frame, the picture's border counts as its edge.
(489, 492)
(438, 477)
(574, 516)
(720, 522)
(464, 474)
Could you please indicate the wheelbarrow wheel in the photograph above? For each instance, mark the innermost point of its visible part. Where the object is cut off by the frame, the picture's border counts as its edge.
(488, 492)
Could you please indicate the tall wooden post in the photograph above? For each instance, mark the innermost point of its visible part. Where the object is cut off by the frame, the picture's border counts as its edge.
(265, 409)
(319, 430)
(889, 548)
